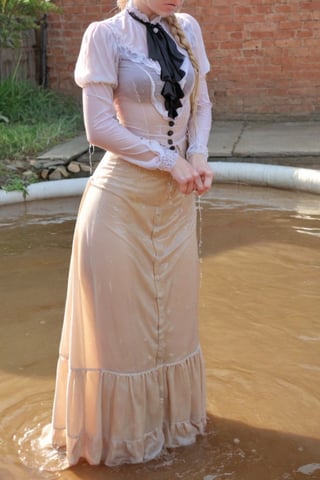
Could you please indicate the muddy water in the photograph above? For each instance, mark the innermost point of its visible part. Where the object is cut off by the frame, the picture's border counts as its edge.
(260, 329)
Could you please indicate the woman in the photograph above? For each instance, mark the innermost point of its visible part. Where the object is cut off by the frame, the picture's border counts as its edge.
(130, 378)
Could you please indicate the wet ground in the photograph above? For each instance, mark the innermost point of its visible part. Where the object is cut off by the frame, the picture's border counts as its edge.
(260, 330)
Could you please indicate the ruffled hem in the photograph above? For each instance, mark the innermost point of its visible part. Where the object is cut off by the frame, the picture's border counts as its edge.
(110, 418)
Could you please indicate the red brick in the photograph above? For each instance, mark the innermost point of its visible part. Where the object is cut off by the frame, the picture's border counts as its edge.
(304, 33)
(243, 11)
(311, 42)
(270, 47)
(251, 44)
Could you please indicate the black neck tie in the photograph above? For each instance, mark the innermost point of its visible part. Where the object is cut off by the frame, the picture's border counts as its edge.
(162, 47)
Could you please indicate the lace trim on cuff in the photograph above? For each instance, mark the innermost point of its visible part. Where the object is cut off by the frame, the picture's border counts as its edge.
(164, 159)
(167, 160)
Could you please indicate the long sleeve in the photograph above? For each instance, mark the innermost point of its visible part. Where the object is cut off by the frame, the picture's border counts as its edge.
(200, 122)
(97, 74)
(104, 131)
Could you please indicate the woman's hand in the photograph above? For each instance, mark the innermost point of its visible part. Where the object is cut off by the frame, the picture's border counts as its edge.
(187, 177)
(194, 176)
(200, 165)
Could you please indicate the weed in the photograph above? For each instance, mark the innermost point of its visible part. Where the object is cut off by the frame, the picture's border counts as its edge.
(33, 119)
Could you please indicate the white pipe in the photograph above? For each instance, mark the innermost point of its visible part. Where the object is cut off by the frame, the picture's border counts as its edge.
(290, 178)
(44, 190)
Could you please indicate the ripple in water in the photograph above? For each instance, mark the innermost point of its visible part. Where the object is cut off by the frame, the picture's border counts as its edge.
(24, 432)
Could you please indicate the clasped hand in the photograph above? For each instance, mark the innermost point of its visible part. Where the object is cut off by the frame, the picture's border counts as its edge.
(194, 176)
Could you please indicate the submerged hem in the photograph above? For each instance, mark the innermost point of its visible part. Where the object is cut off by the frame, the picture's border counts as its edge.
(124, 447)
(104, 417)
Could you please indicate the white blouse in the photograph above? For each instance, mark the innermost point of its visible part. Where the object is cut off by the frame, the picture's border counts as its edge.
(124, 110)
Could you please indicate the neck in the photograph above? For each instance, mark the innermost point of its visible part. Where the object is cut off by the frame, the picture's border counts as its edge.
(143, 8)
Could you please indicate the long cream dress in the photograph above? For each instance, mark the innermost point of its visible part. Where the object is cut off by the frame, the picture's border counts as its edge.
(130, 376)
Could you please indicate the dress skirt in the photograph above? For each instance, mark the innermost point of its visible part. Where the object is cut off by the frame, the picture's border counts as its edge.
(130, 375)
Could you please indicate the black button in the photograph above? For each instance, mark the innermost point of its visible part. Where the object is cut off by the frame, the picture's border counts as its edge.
(170, 132)
(170, 141)
(172, 148)
(171, 123)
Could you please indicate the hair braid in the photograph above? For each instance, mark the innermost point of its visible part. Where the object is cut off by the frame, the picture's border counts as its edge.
(180, 36)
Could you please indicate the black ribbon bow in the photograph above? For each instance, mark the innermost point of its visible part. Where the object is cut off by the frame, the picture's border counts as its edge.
(162, 47)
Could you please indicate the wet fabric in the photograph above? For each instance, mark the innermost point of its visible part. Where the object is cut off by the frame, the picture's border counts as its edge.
(122, 93)
(130, 377)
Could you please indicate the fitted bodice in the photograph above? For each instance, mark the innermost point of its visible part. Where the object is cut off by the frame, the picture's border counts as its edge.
(114, 54)
(140, 105)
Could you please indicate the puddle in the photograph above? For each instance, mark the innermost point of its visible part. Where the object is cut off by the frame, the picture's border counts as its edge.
(260, 331)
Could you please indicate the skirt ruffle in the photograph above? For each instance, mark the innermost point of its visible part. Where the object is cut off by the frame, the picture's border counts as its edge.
(113, 418)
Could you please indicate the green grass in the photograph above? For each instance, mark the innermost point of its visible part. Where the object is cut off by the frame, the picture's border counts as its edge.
(33, 119)
(11, 180)
(18, 141)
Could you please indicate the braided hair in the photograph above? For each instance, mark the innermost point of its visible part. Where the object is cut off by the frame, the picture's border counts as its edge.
(179, 35)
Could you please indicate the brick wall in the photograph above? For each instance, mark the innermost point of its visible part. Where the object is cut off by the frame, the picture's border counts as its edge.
(265, 54)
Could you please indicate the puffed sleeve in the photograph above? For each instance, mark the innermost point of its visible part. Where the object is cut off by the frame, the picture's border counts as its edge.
(199, 126)
(96, 73)
(98, 57)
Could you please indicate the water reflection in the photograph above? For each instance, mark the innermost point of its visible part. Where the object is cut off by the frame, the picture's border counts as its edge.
(260, 329)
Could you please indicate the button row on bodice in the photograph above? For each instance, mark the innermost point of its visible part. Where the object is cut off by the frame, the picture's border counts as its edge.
(170, 133)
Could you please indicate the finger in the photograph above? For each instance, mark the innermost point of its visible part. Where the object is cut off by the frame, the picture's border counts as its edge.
(186, 184)
(208, 180)
(190, 187)
(199, 184)
(188, 177)
(206, 184)
(183, 186)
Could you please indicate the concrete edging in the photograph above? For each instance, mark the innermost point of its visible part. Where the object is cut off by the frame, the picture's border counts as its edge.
(288, 178)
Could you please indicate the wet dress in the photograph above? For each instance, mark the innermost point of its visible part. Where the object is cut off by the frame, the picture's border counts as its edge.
(130, 375)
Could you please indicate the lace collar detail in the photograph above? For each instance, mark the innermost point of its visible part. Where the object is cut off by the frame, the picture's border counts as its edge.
(132, 8)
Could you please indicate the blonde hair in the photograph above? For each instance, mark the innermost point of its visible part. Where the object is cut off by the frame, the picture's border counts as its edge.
(178, 33)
